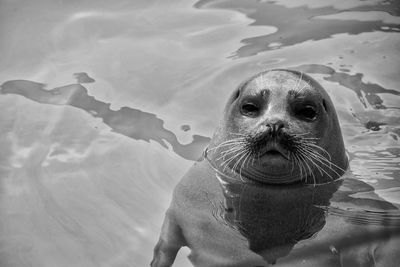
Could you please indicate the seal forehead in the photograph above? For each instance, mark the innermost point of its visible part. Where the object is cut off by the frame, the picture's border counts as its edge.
(284, 81)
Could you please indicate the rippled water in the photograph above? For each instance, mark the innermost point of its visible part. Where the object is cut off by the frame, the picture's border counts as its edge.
(104, 106)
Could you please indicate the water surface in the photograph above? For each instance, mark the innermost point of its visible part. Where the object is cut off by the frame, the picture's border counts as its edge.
(104, 106)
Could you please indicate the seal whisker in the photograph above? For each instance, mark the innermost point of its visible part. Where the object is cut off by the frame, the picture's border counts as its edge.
(301, 166)
(322, 160)
(226, 163)
(304, 170)
(308, 154)
(235, 144)
(320, 148)
(236, 141)
(306, 84)
(305, 159)
(293, 161)
(298, 81)
(296, 161)
(239, 134)
(310, 138)
(231, 157)
(235, 147)
(222, 157)
(232, 140)
(243, 163)
(224, 145)
(320, 169)
(242, 155)
(233, 150)
(238, 163)
(229, 160)
(227, 143)
(252, 160)
(327, 161)
(300, 134)
(314, 153)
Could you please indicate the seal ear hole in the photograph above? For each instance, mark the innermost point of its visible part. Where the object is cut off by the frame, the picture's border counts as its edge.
(236, 96)
(324, 104)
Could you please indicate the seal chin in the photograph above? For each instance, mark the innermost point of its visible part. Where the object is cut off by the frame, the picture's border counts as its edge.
(277, 171)
(276, 177)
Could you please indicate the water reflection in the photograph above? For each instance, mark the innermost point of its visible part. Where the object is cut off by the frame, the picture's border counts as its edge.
(274, 218)
(366, 92)
(130, 122)
(303, 23)
(228, 222)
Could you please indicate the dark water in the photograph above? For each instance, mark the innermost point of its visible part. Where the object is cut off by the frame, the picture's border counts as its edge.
(104, 106)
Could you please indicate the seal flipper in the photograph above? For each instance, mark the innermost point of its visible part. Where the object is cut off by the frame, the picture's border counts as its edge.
(171, 240)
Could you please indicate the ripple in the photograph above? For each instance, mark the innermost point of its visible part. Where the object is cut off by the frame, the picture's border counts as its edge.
(367, 217)
(302, 23)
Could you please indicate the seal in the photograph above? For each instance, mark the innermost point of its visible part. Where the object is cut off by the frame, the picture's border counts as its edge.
(279, 127)
(275, 157)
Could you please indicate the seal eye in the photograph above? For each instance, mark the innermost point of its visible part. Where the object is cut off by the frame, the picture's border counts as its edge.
(307, 113)
(249, 109)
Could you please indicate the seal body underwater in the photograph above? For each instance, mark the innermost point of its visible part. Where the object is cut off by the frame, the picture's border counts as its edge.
(279, 130)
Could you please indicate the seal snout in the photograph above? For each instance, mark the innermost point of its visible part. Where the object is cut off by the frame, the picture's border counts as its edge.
(275, 128)
(273, 141)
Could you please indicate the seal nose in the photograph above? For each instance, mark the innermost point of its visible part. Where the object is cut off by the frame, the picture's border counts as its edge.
(275, 127)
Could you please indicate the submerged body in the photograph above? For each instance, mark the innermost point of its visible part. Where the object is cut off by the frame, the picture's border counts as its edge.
(270, 169)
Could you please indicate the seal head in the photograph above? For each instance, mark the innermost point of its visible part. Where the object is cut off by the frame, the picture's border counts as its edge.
(279, 127)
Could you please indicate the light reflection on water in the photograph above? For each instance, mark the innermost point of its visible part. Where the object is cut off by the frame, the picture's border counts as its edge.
(95, 97)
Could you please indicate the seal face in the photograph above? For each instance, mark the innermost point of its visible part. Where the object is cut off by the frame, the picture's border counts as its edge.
(279, 127)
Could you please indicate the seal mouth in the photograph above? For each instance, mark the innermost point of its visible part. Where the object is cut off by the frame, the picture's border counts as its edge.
(274, 150)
